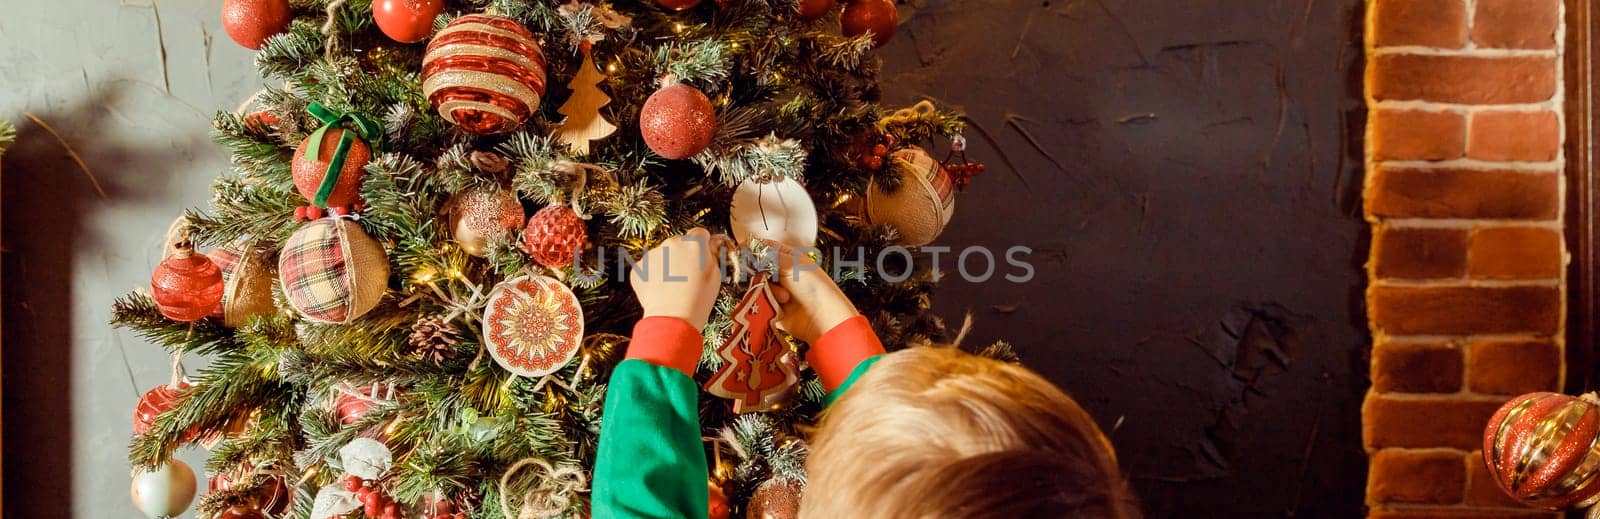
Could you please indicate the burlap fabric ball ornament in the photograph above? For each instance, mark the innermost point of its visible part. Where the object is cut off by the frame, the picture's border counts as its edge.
(478, 216)
(554, 236)
(921, 206)
(246, 283)
(1541, 448)
(532, 325)
(484, 73)
(332, 272)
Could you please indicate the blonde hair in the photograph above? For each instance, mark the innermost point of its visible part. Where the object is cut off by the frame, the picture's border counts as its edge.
(935, 432)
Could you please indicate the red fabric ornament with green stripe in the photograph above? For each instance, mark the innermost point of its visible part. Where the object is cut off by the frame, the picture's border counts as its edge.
(1543, 449)
(328, 164)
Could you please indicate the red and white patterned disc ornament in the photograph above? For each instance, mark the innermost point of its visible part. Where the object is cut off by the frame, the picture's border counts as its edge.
(532, 325)
(484, 73)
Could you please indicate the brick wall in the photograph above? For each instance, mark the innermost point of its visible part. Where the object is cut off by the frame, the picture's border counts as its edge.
(1464, 195)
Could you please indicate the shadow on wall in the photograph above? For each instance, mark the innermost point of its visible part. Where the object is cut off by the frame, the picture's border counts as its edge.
(48, 200)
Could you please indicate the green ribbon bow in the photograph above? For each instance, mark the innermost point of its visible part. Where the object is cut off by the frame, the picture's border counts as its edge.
(362, 126)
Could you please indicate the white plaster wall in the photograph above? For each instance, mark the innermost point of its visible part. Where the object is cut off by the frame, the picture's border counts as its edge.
(94, 70)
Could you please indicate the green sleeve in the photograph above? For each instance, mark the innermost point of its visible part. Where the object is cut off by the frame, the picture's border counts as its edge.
(651, 463)
(855, 374)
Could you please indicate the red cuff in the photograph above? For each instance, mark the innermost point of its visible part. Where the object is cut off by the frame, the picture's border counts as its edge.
(668, 342)
(838, 351)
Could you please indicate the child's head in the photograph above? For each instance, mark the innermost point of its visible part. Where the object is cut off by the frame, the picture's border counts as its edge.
(935, 432)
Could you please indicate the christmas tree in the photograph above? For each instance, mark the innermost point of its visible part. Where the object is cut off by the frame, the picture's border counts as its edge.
(389, 336)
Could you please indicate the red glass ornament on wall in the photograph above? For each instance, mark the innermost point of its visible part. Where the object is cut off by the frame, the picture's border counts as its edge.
(186, 286)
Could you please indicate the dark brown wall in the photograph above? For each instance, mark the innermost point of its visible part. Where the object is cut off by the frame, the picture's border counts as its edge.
(1188, 173)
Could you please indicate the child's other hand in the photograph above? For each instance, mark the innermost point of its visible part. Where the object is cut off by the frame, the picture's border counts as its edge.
(812, 303)
(679, 278)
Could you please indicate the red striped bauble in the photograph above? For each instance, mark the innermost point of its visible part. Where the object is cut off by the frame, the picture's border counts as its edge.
(484, 73)
(1543, 449)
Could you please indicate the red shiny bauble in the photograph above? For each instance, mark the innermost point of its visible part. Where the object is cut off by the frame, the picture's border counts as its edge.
(1539, 448)
(406, 21)
(350, 408)
(812, 10)
(484, 73)
(554, 236)
(260, 121)
(187, 286)
(877, 16)
(678, 121)
(678, 5)
(718, 507)
(309, 171)
(241, 512)
(250, 22)
(154, 402)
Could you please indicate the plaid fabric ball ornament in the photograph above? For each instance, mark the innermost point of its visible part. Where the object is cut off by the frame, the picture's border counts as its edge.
(332, 272)
(922, 205)
(554, 236)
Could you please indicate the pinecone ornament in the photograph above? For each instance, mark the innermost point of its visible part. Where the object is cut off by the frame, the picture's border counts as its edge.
(434, 339)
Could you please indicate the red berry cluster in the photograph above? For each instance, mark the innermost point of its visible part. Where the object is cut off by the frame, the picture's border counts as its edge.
(874, 157)
(376, 504)
(961, 173)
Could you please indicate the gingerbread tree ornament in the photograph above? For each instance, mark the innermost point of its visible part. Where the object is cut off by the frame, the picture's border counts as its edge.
(583, 122)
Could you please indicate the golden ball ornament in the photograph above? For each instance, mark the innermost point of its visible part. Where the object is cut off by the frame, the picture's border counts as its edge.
(478, 216)
(166, 491)
(677, 121)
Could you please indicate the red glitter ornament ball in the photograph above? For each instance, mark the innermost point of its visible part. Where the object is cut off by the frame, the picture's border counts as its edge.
(309, 171)
(187, 286)
(876, 16)
(251, 22)
(154, 402)
(1539, 448)
(678, 5)
(554, 236)
(812, 10)
(677, 121)
(484, 73)
(406, 21)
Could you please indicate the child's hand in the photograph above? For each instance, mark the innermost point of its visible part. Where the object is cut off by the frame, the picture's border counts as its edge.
(812, 303)
(679, 278)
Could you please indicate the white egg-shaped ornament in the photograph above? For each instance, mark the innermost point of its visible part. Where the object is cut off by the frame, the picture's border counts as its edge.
(779, 210)
(166, 491)
(921, 205)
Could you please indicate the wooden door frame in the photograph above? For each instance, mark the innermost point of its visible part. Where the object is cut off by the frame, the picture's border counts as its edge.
(1583, 195)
